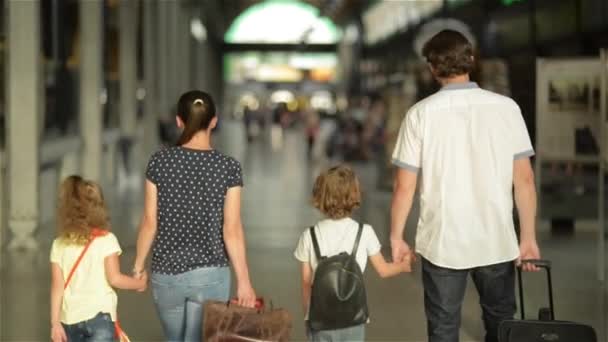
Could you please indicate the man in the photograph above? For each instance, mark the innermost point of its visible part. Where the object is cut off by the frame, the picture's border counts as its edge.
(472, 149)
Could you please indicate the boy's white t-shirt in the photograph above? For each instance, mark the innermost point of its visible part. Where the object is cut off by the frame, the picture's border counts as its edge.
(88, 293)
(336, 236)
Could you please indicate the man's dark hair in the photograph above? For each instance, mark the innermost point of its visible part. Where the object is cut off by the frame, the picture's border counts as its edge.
(449, 53)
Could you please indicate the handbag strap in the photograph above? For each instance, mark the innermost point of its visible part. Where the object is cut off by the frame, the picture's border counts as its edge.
(94, 233)
(315, 243)
(356, 246)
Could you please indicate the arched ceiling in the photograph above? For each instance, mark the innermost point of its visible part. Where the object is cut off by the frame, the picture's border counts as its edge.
(219, 14)
(282, 22)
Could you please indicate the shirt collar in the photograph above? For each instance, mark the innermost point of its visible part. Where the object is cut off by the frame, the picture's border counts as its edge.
(460, 85)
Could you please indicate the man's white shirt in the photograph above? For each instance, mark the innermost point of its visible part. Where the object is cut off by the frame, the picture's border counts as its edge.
(463, 141)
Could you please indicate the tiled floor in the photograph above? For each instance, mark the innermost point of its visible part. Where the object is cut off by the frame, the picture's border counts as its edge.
(275, 211)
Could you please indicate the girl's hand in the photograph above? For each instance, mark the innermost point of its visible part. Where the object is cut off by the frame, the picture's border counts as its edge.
(58, 333)
(138, 273)
(246, 296)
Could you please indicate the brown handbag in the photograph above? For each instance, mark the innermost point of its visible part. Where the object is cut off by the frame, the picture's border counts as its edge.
(225, 322)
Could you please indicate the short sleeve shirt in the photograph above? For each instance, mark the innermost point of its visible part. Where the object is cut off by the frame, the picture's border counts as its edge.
(464, 141)
(335, 237)
(88, 292)
(191, 186)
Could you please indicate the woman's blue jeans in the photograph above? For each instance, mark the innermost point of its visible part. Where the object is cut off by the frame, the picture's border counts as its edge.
(179, 299)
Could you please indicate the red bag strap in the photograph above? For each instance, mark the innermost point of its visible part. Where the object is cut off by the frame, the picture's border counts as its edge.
(95, 232)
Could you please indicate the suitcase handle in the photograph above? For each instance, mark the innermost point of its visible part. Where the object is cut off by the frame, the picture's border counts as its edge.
(546, 265)
(538, 263)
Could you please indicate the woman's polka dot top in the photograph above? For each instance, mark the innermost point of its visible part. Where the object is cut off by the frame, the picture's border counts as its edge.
(191, 186)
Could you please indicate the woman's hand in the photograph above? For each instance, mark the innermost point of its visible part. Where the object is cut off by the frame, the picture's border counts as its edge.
(246, 296)
(58, 333)
(143, 277)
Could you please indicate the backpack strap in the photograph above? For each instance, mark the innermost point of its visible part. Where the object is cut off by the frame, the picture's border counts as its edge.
(315, 243)
(359, 233)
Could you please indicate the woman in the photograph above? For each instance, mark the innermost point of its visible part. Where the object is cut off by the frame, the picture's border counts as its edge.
(192, 220)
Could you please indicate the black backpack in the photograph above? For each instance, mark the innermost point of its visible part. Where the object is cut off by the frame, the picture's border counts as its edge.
(338, 299)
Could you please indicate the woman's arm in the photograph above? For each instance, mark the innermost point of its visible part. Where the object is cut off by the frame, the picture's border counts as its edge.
(119, 280)
(57, 332)
(234, 239)
(386, 269)
(147, 227)
(306, 285)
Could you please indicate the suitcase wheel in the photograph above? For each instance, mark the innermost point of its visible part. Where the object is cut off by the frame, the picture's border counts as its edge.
(544, 314)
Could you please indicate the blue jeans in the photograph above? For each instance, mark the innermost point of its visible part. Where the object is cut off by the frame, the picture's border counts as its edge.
(97, 329)
(179, 299)
(444, 291)
(350, 334)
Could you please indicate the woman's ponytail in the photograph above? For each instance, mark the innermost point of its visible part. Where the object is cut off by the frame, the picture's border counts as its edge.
(196, 109)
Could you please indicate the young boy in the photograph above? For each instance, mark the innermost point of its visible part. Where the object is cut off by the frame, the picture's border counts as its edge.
(336, 194)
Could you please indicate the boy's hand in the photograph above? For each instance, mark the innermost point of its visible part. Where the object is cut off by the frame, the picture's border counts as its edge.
(406, 264)
(58, 333)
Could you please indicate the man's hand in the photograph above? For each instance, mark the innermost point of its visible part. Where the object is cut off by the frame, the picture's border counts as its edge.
(528, 250)
(401, 251)
(58, 333)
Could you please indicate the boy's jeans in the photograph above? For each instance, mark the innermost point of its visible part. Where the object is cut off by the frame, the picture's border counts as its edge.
(179, 299)
(351, 334)
(97, 329)
(444, 290)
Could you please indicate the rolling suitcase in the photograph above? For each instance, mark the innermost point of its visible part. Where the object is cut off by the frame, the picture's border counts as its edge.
(545, 328)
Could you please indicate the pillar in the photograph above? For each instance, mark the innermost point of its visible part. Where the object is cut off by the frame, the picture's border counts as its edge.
(173, 52)
(185, 48)
(91, 80)
(151, 70)
(164, 97)
(24, 107)
(128, 66)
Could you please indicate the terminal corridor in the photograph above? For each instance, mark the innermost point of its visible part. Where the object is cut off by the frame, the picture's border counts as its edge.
(276, 208)
(291, 88)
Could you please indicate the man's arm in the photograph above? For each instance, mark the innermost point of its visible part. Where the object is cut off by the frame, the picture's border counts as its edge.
(403, 196)
(525, 201)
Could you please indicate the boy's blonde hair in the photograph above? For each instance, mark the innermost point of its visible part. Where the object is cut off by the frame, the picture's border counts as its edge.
(336, 192)
(81, 208)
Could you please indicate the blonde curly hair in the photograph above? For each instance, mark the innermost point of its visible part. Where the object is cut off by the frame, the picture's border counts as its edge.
(81, 208)
(336, 192)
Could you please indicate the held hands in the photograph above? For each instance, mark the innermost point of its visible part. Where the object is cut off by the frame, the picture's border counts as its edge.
(58, 333)
(405, 265)
(402, 252)
(142, 277)
(528, 250)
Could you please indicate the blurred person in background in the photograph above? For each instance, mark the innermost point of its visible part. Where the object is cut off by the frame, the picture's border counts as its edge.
(373, 133)
(312, 122)
(278, 119)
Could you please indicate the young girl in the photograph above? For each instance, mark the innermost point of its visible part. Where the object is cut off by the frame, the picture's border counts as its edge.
(85, 310)
(336, 194)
